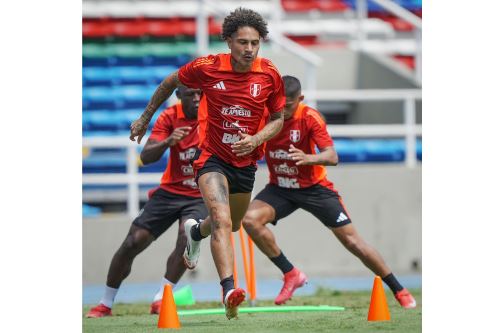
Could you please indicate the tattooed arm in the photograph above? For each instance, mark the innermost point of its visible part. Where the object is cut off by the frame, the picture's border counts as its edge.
(248, 143)
(164, 90)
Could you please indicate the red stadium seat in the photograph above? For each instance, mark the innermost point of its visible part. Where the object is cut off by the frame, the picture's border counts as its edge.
(298, 5)
(129, 28)
(214, 27)
(162, 28)
(96, 29)
(397, 23)
(187, 26)
(304, 39)
(409, 61)
(331, 5)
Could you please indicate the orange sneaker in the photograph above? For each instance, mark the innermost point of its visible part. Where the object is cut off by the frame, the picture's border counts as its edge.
(233, 299)
(405, 299)
(99, 311)
(155, 307)
(292, 280)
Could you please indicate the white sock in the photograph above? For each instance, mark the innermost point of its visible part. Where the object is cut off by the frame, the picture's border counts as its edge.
(159, 294)
(109, 296)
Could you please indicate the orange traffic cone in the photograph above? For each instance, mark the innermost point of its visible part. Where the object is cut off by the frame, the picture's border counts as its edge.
(168, 311)
(378, 304)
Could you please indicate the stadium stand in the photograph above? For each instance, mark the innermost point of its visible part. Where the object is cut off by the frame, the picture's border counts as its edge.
(128, 48)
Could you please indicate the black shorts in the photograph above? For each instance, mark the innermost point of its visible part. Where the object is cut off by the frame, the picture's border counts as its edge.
(240, 180)
(164, 208)
(323, 203)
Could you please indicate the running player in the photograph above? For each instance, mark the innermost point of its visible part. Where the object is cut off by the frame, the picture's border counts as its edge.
(298, 180)
(177, 198)
(238, 87)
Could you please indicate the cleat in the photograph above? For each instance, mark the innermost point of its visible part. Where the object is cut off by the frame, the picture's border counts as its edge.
(405, 299)
(292, 280)
(192, 251)
(99, 311)
(155, 307)
(234, 298)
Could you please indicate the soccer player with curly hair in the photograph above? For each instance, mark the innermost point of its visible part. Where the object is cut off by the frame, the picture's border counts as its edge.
(238, 87)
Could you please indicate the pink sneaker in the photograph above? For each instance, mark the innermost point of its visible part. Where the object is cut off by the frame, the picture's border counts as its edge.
(405, 299)
(99, 311)
(155, 307)
(292, 280)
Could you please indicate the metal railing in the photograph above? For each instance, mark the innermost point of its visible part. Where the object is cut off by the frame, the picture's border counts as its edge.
(409, 130)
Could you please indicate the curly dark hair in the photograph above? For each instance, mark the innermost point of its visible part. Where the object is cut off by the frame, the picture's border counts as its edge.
(242, 17)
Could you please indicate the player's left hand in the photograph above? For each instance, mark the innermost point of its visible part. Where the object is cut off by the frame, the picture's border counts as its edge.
(298, 156)
(245, 145)
(138, 129)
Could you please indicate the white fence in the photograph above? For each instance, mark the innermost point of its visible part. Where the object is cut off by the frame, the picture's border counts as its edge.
(409, 130)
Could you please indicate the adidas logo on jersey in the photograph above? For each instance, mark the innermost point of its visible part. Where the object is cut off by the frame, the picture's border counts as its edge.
(220, 86)
(341, 217)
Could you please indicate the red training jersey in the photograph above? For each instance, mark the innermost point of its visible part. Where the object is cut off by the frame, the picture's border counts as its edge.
(235, 102)
(178, 177)
(305, 130)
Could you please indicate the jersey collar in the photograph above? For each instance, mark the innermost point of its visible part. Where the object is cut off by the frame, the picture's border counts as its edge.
(225, 64)
(300, 111)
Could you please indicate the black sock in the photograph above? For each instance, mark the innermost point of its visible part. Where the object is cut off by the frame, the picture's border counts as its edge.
(282, 262)
(196, 233)
(393, 283)
(227, 284)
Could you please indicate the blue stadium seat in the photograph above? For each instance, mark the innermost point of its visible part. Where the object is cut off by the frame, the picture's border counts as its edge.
(96, 76)
(98, 98)
(349, 151)
(132, 75)
(105, 163)
(116, 162)
(95, 62)
(374, 7)
(90, 211)
(117, 97)
(419, 150)
(125, 75)
(383, 150)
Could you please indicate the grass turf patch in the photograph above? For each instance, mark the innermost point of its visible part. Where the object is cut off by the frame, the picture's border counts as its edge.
(136, 317)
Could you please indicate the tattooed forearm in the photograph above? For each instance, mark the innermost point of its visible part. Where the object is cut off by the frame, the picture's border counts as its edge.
(271, 129)
(164, 90)
(219, 191)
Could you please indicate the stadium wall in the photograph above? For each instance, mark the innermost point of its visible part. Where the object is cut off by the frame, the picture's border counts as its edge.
(384, 201)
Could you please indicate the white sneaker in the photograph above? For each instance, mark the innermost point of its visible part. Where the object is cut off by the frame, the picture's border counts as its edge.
(192, 251)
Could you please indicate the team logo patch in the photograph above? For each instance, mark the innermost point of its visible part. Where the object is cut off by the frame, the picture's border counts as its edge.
(295, 135)
(255, 89)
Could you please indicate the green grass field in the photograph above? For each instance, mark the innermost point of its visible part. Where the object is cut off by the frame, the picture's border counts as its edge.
(135, 317)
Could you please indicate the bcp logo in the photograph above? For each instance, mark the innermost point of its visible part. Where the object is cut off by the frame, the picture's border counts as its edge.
(230, 138)
(288, 182)
(255, 89)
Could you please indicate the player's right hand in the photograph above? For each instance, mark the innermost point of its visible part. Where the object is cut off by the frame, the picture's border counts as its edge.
(138, 129)
(178, 134)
